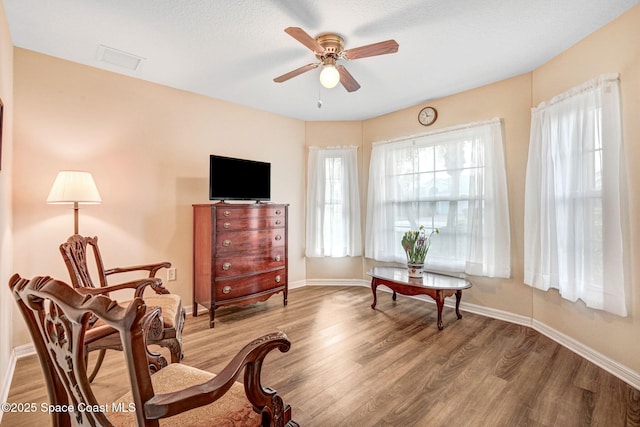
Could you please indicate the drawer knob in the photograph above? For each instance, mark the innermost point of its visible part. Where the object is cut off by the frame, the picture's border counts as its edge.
(226, 213)
(226, 243)
(226, 289)
(278, 212)
(226, 266)
(278, 237)
(278, 278)
(226, 225)
(277, 258)
(278, 222)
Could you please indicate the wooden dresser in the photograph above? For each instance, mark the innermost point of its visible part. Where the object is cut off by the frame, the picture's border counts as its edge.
(239, 254)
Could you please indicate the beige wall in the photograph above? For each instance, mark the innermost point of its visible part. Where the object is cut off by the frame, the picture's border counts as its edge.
(148, 148)
(6, 240)
(329, 134)
(613, 49)
(509, 100)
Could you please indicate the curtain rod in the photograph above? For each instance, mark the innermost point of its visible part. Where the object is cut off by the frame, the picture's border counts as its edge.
(496, 120)
(591, 84)
(332, 147)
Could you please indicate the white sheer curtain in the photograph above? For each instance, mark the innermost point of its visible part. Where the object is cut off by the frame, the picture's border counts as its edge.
(453, 180)
(573, 229)
(333, 203)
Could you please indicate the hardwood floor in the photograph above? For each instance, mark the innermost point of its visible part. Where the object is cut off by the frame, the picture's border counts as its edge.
(350, 365)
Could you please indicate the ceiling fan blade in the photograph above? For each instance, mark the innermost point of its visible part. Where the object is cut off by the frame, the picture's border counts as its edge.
(347, 80)
(375, 49)
(296, 72)
(304, 38)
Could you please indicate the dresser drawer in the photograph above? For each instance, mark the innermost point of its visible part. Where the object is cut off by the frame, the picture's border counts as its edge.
(246, 263)
(251, 240)
(227, 289)
(232, 212)
(240, 224)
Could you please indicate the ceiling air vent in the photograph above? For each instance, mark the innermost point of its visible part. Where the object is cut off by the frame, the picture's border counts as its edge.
(119, 58)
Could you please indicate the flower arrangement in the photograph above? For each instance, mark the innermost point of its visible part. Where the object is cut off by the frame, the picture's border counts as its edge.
(416, 244)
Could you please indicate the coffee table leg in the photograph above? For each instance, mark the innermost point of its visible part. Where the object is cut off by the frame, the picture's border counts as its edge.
(439, 304)
(458, 298)
(374, 285)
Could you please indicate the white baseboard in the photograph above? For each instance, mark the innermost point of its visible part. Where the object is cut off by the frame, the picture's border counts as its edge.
(6, 383)
(24, 351)
(614, 368)
(297, 284)
(16, 353)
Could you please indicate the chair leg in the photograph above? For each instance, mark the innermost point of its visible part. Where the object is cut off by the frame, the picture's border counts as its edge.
(175, 348)
(98, 364)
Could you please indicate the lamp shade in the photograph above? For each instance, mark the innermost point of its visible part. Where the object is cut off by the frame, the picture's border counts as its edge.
(74, 187)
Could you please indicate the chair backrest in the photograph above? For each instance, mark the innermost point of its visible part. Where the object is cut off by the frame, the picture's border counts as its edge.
(74, 252)
(58, 320)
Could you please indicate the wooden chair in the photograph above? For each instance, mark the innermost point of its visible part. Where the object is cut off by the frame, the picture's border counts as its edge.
(75, 252)
(58, 318)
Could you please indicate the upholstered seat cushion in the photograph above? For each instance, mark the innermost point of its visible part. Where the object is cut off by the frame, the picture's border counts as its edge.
(232, 409)
(170, 305)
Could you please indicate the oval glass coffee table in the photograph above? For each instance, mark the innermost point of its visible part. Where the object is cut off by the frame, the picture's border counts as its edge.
(437, 286)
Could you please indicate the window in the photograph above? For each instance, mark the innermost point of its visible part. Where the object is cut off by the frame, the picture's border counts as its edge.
(453, 180)
(573, 227)
(333, 203)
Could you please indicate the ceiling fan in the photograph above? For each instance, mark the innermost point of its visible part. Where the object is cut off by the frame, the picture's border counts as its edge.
(329, 48)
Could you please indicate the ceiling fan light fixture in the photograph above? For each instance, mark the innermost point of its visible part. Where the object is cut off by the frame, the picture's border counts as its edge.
(329, 48)
(329, 76)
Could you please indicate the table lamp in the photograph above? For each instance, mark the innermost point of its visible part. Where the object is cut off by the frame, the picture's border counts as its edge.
(74, 187)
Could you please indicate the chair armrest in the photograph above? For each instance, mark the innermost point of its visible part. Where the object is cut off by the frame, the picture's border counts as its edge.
(151, 268)
(139, 285)
(250, 359)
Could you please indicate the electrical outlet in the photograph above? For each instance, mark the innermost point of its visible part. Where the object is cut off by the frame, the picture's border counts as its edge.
(171, 274)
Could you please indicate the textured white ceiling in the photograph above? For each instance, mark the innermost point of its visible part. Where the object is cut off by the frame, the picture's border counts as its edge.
(232, 49)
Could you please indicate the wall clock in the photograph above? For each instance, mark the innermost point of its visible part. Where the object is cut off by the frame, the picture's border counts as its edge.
(427, 116)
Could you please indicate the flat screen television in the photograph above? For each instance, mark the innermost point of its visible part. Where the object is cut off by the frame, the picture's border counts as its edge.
(238, 179)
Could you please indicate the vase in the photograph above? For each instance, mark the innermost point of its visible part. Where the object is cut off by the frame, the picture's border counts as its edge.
(415, 269)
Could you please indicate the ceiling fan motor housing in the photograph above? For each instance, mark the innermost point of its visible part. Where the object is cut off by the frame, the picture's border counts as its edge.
(333, 46)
